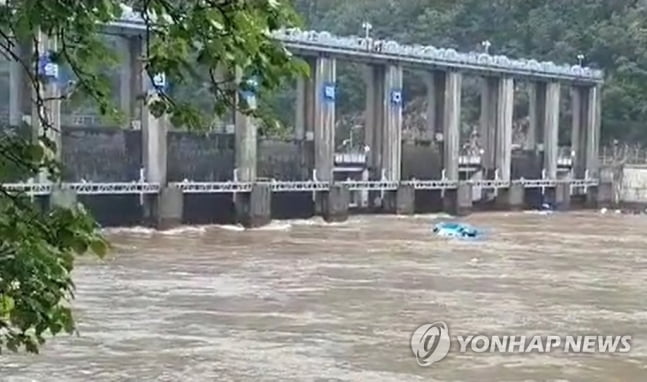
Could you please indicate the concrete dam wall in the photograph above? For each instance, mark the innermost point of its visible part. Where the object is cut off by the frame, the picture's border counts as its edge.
(95, 154)
(114, 154)
(101, 154)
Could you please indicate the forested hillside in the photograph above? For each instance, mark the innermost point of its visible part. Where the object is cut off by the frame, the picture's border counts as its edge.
(611, 34)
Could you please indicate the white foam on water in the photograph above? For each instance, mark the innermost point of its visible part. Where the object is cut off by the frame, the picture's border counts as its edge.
(538, 212)
(274, 226)
(184, 230)
(147, 231)
(129, 230)
(338, 224)
(432, 216)
(231, 227)
(315, 221)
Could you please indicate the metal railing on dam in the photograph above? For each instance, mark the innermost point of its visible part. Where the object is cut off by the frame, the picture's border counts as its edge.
(369, 50)
(136, 188)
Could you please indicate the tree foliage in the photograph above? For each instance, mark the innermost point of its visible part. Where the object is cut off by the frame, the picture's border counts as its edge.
(189, 41)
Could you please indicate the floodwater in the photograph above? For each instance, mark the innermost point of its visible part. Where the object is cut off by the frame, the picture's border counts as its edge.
(306, 301)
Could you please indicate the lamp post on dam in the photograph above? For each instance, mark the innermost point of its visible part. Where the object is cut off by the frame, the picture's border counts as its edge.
(444, 70)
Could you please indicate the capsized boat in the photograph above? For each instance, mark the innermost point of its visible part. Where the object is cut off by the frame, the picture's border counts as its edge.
(455, 230)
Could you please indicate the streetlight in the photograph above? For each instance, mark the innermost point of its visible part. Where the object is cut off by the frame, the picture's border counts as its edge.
(486, 45)
(367, 29)
(580, 58)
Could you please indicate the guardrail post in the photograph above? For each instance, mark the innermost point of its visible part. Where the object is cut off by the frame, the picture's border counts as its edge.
(31, 192)
(543, 177)
(142, 179)
(443, 178)
(235, 180)
(314, 193)
(496, 179)
(382, 192)
(364, 193)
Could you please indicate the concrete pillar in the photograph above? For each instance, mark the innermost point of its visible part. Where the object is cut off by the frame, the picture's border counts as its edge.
(300, 112)
(600, 196)
(452, 124)
(544, 124)
(154, 140)
(154, 130)
(306, 95)
(488, 123)
(245, 147)
(512, 198)
(505, 109)
(402, 201)
(372, 120)
(245, 137)
(392, 123)
(534, 198)
(585, 139)
(168, 209)
(19, 85)
(254, 209)
(435, 82)
(591, 200)
(130, 72)
(305, 119)
(335, 203)
(458, 201)
(16, 88)
(593, 128)
(497, 107)
(578, 106)
(164, 210)
(50, 112)
(563, 196)
(551, 128)
(536, 114)
(219, 123)
(63, 198)
(384, 121)
(324, 126)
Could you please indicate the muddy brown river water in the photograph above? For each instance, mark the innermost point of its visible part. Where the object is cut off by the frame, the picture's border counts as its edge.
(306, 301)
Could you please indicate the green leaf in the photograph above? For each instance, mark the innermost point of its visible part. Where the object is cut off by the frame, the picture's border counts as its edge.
(79, 245)
(7, 304)
(99, 247)
(36, 153)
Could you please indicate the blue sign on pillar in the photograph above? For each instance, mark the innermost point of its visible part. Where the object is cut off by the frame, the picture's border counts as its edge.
(47, 68)
(159, 82)
(249, 92)
(396, 97)
(329, 92)
(252, 83)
